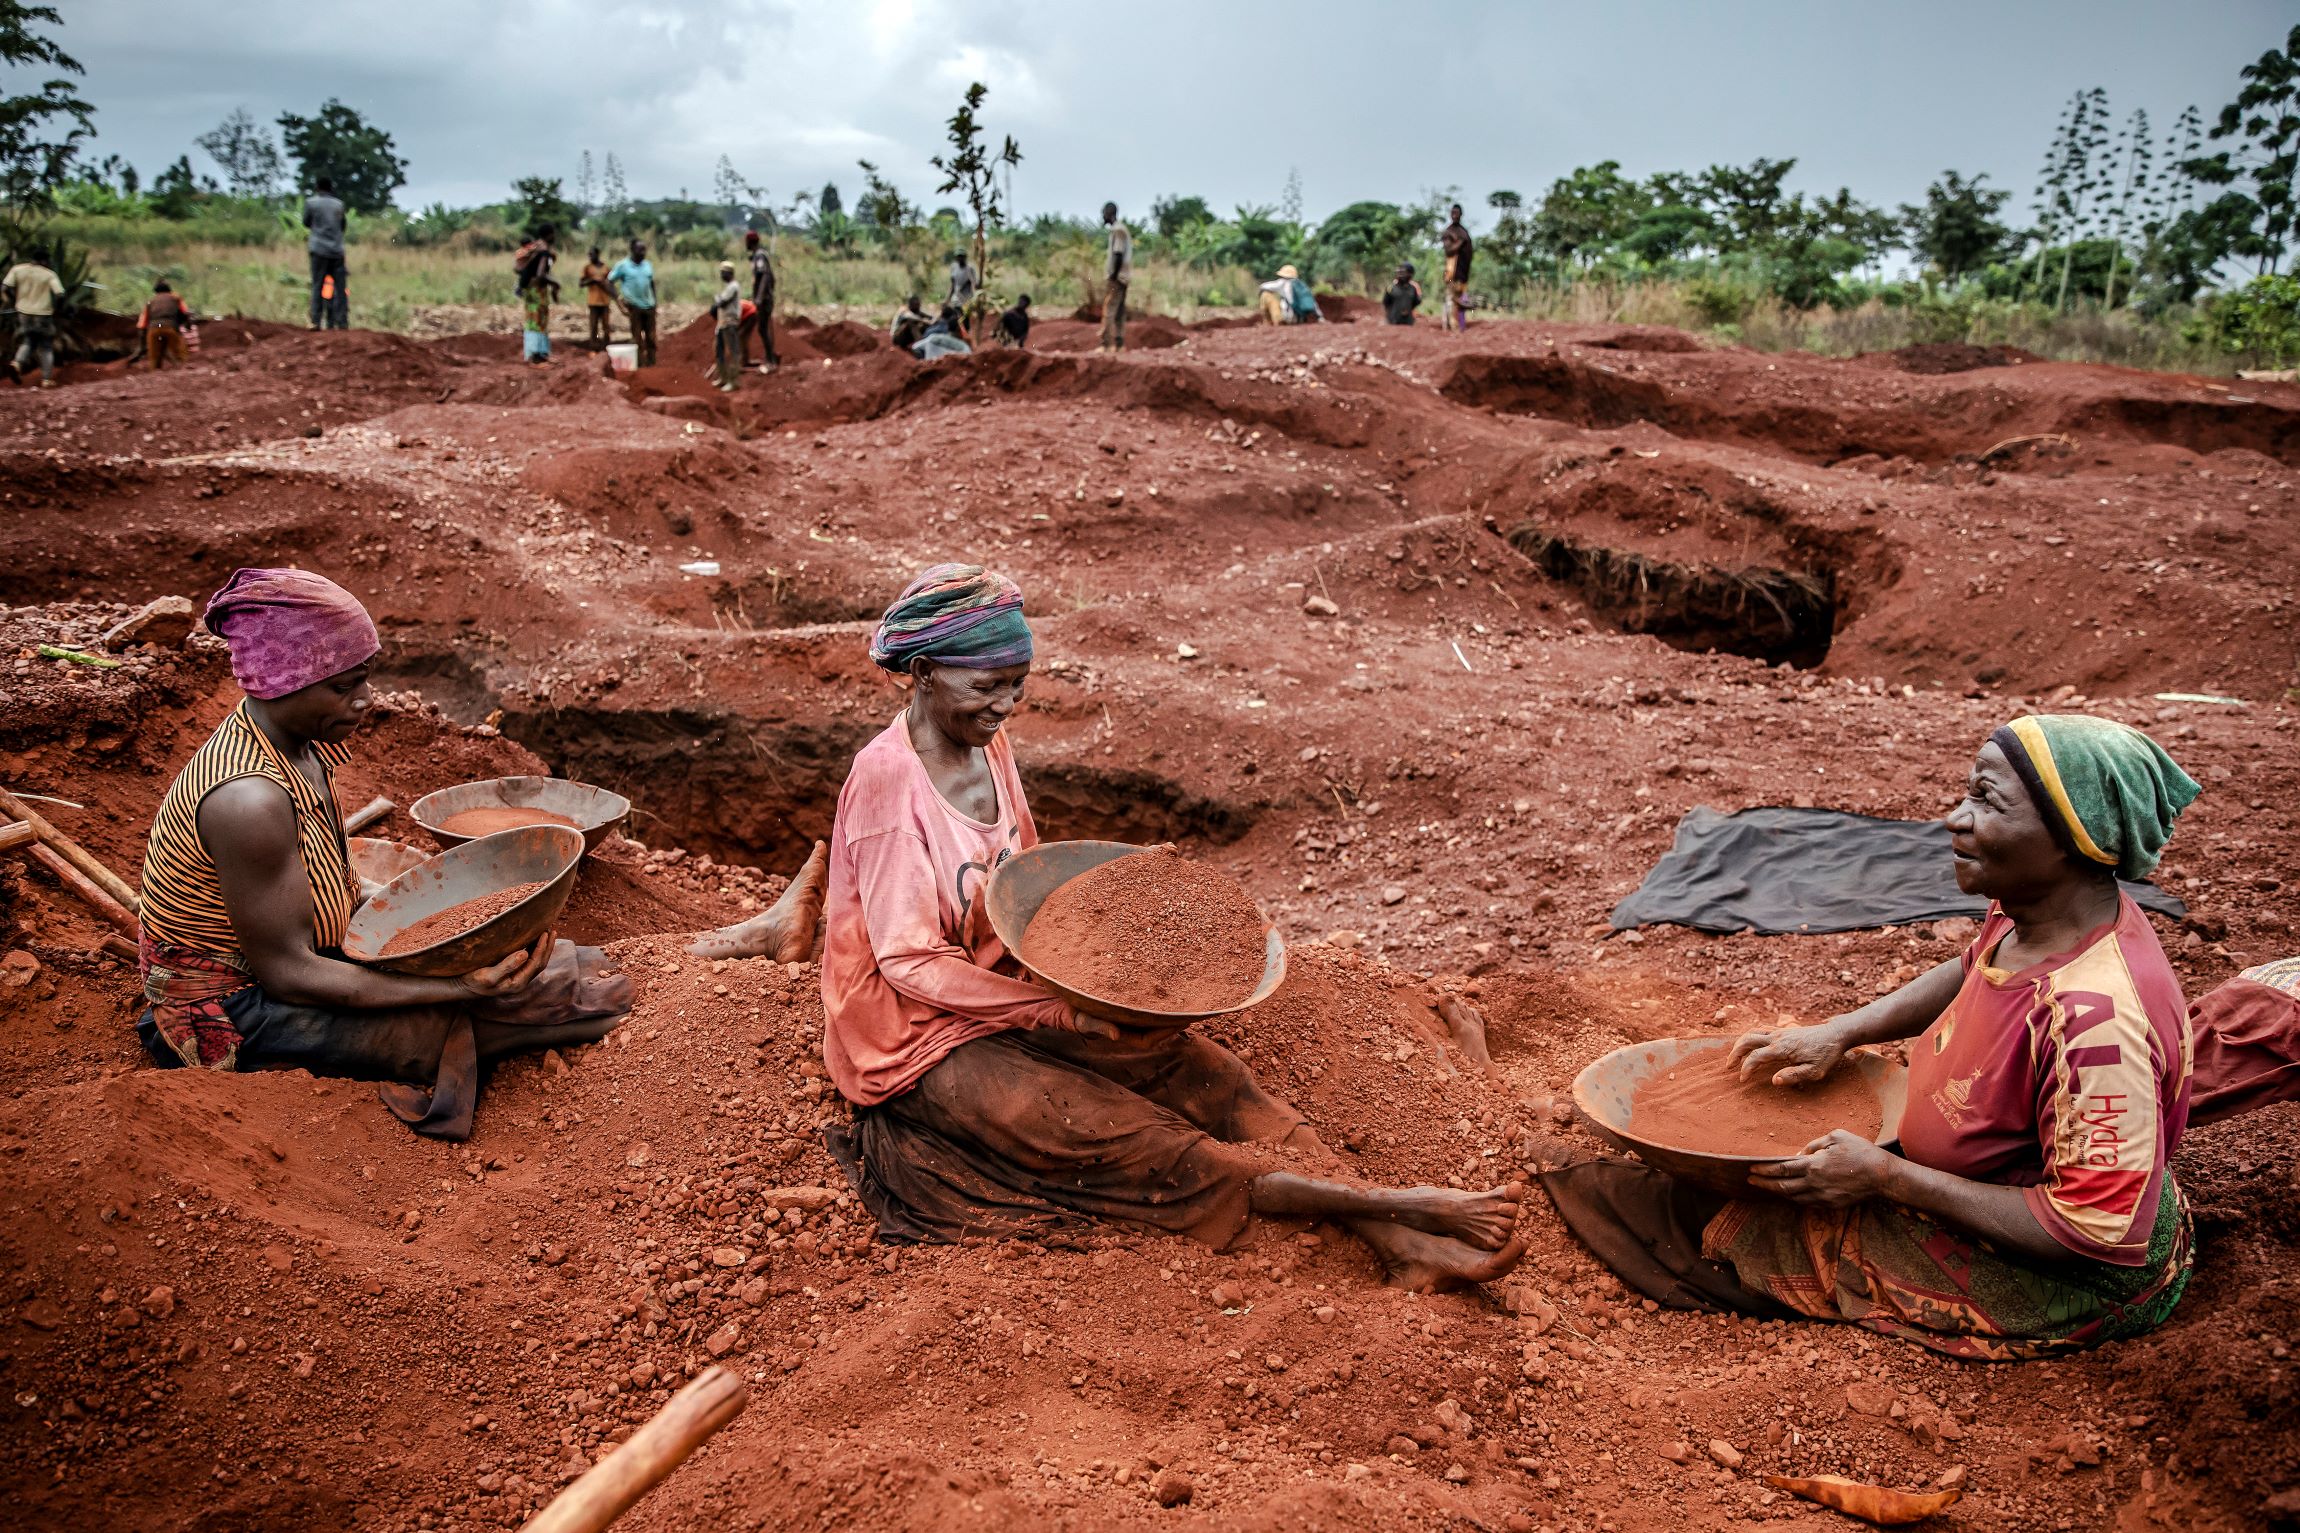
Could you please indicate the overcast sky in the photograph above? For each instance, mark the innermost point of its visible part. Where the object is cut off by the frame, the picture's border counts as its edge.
(1195, 96)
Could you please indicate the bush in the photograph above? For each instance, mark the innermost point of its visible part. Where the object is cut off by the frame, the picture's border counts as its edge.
(1719, 301)
(699, 245)
(2261, 320)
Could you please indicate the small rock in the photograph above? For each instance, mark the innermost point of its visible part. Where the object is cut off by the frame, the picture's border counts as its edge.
(165, 621)
(722, 1341)
(728, 1256)
(411, 1220)
(1677, 1453)
(1186, 651)
(278, 1258)
(18, 969)
(1452, 1417)
(160, 1303)
(553, 1062)
(642, 1375)
(1953, 1477)
(1456, 1475)
(1404, 1446)
(1724, 1453)
(1343, 938)
(1393, 893)
(1870, 1399)
(1228, 1295)
(1357, 1472)
(1319, 606)
(638, 1155)
(1172, 1487)
(42, 1314)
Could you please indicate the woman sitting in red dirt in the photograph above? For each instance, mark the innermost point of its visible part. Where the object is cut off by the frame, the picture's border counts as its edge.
(248, 888)
(2030, 1210)
(982, 1104)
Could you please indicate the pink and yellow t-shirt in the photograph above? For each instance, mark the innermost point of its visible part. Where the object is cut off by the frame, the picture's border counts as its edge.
(2068, 1079)
(908, 956)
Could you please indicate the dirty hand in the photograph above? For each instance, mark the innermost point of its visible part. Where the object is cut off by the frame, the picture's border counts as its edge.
(514, 973)
(1794, 1056)
(1094, 1027)
(1838, 1168)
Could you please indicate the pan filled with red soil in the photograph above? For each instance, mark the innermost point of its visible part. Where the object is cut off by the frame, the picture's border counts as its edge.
(1149, 937)
(470, 906)
(474, 809)
(1675, 1105)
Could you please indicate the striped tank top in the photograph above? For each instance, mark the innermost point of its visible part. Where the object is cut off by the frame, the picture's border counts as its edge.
(184, 901)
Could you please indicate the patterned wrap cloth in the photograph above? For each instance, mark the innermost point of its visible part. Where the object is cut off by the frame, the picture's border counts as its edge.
(288, 629)
(186, 990)
(954, 614)
(2108, 792)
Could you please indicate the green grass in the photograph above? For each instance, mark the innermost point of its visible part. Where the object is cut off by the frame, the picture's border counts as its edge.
(264, 275)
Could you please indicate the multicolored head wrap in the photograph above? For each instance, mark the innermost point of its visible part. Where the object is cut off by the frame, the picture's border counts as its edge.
(288, 629)
(954, 614)
(2108, 792)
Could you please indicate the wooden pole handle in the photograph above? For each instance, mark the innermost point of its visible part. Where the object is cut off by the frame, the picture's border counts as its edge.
(610, 1487)
(15, 834)
(95, 897)
(104, 878)
(367, 814)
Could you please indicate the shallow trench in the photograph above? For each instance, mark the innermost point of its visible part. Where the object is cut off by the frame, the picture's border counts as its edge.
(1770, 614)
(761, 794)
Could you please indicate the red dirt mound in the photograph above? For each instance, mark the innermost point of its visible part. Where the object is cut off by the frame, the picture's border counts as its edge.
(1937, 357)
(1349, 308)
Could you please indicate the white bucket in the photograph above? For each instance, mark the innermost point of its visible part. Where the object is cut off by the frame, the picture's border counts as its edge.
(623, 356)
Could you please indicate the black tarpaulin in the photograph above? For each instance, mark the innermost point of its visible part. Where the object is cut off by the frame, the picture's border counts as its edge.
(1782, 871)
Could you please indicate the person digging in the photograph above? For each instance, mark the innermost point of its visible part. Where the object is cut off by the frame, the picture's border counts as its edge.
(982, 1105)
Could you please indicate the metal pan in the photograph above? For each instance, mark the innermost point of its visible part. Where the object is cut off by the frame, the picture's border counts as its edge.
(596, 811)
(545, 854)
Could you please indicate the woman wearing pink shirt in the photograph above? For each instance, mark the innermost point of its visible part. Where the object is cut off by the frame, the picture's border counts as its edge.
(981, 1103)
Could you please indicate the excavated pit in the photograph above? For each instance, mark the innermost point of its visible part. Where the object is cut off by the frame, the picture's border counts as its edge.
(753, 793)
(1770, 614)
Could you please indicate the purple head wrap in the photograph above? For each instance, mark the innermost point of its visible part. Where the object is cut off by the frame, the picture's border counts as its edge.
(288, 629)
(954, 614)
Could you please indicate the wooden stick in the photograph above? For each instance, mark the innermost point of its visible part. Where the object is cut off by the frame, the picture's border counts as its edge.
(361, 818)
(16, 834)
(79, 883)
(611, 1486)
(104, 878)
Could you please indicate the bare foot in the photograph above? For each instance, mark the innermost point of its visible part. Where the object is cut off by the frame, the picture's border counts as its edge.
(1428, 1263)
(1466, 1024)
(785, 930)
(1481, 1219)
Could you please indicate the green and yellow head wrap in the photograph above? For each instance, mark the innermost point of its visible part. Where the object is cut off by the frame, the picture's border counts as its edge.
(2109, 792)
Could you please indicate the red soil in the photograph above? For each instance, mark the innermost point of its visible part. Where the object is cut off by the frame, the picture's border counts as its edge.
(1455, 773)
(1154, 932)
(486, 822)
(1704, 1106)
(455, 920)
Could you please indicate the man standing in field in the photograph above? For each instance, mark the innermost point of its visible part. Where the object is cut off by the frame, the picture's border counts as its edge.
(163, 322)
(1117, 276)
(762, 302)
(1455, 242)
(597, 295)
(323, 216)
(31, 289)
(634, 281)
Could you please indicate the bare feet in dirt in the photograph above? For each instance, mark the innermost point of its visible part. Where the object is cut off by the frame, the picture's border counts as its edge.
(1466, 1025)
(1480, 1219)
(1428, 1263)
(785, 930)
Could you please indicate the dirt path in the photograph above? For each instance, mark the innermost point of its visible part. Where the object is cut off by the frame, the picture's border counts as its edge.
(1431, 642)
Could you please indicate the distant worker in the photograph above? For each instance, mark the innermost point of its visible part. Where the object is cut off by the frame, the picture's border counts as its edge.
(537, 288)
(1287, 300)
(910, 324)
(597, 295)
(963, 282)
(727, 328)
(762, 302)
(323, 215)
(163, 323)
(1456, 243)
(1404, 296)
(1014, 325)
(1117, 278)
(31, 289)
(634, 282)
(946, 337)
